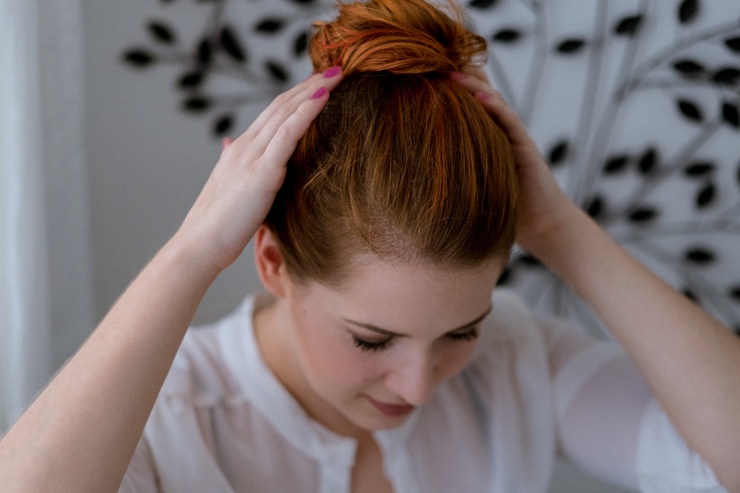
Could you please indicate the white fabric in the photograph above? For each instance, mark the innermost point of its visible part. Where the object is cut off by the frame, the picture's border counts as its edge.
(682, 471)
(224, 424)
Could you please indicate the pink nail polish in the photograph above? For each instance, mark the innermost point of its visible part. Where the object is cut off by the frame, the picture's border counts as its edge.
(332, 72)
(319, 93)
(483, 96)
(458, 76)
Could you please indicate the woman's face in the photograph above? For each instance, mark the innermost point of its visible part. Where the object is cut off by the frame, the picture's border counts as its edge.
(379, 346)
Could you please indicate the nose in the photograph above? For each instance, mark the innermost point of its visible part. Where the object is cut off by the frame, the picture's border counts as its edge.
(413, 378)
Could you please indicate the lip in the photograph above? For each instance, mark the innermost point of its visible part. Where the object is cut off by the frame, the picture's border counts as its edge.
(391, 410)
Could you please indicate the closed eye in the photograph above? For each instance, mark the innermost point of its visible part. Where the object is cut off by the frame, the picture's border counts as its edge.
(375, 346)
(371, 346)
(470, 335)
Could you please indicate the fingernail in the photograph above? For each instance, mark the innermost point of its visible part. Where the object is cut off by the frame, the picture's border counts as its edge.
(319, 93)
(458, 76)
(483, 96)
(332, 72)
(224, 143)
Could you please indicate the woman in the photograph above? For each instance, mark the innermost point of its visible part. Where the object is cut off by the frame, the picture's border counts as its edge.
(380, 361)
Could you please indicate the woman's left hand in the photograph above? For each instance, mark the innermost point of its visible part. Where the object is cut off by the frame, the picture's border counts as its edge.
(543, 207)
(689, 359)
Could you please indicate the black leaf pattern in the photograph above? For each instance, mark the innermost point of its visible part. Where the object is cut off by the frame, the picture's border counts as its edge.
(196, 104)
(690, 110)
(730, 114)
(191, 80)
(277, 71)
(231, 44)
(270, 25)
(689, 68)
(734, 293)
(695, 71)
(558, 153)
(572, 45)
(223, 125)
(628, 26)
(300, 43)
(504, 278)
(688, 11)
(139, 57)
(726, 76)
(699, 169)
(642, 215)
(733, 44)
(595, 207)
(706, 196)
(482, 4)
(205, 51)
(648, 161)
(161, 32)
(615, 164)
(690, 294)
(506, 36)
(699, 255)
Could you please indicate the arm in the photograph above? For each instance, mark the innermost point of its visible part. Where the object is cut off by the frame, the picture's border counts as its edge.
(690, 361)
(80, 433)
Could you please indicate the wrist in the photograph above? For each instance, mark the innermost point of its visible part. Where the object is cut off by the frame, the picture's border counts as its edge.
(186, 253)
(548, 233)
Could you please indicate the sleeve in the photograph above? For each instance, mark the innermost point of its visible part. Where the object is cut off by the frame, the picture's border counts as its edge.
(141, 474)
(608, 421)
(665, 463)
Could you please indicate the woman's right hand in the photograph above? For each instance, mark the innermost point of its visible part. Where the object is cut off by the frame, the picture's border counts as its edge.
(242, 187)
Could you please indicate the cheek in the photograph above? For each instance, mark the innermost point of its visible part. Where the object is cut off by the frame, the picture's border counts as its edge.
(455, 357)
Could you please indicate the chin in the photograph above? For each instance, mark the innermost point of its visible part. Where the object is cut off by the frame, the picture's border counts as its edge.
(371, 419)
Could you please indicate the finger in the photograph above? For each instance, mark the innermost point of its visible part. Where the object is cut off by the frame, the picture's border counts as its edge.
(473, 83)
(270, 127)
(274, 105)
(287, 96)
(505, 116)
(494, 103)
(476, 72)
(226, 142)
(290, 131)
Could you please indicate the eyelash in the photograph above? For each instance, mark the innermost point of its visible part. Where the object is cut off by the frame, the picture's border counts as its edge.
(380, 346)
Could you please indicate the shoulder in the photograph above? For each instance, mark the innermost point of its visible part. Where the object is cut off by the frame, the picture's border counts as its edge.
(199, 373)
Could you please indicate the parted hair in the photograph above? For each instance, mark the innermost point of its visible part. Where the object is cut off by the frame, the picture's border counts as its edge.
(403, 162)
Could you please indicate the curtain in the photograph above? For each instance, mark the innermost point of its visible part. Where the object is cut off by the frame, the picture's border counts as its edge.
(45, 300)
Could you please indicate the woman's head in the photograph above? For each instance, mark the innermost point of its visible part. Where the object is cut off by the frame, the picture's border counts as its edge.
(398, 213)
(403, 163)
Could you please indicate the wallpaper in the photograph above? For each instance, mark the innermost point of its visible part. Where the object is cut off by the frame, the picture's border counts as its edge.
(635, 104)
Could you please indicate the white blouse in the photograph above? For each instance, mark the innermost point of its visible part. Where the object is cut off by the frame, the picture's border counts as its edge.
(535, 386)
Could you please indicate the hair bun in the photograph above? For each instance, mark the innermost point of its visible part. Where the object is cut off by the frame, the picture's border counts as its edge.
(396, 36)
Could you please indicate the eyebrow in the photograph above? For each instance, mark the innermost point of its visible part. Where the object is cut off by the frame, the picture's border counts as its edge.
(397, 334)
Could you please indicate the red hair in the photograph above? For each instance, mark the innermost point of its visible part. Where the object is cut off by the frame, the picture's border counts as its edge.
(403, 162)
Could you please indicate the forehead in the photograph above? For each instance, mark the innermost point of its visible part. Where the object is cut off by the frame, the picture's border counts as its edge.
(404, 296)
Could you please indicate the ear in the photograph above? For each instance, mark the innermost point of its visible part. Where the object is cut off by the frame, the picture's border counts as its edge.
(269, 262)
